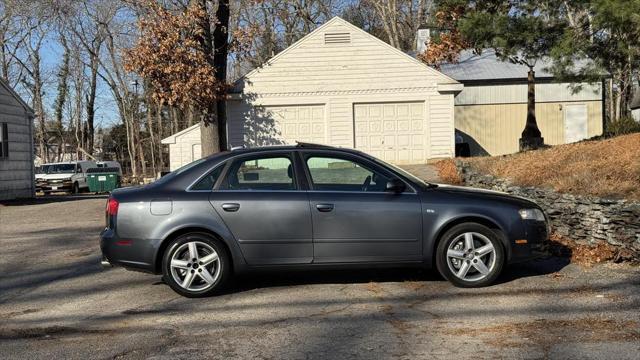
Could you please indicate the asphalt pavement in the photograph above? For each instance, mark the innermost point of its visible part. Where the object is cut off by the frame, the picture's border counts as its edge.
(57, 302)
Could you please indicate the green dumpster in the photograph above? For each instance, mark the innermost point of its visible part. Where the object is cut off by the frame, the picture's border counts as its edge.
(102, 180)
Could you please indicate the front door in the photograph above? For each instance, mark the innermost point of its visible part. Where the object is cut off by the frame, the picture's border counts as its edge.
(354, 219)
(261, 204)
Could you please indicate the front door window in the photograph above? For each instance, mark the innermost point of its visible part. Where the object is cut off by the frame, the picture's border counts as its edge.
(334, 174)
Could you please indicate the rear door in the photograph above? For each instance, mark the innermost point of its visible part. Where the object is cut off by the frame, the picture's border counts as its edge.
(261, 202)
(354, 219)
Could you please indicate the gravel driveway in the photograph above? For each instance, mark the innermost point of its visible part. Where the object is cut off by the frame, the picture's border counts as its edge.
(56, 302)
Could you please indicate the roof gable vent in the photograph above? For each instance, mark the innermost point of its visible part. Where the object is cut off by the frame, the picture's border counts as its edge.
(337, 38)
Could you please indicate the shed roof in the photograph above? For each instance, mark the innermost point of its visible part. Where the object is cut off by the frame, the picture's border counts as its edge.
(172, 139)
(15, 95)
(487, 66)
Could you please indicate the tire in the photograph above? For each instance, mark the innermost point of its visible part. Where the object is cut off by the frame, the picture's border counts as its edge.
(178, 265)
(479, 264)
(76, 188)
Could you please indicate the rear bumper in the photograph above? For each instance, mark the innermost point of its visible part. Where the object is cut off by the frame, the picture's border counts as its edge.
(133, 254)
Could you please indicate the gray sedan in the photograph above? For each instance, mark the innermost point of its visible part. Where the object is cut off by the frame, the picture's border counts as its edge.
(312, 207)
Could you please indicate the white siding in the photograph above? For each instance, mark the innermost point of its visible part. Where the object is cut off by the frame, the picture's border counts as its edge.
(185, 149)
(517, 93)
(366, 64)
(16, 172)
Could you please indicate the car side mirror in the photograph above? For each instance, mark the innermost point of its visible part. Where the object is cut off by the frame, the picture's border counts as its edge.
(395, 186)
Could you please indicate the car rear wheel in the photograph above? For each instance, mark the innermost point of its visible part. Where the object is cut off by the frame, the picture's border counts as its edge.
(195, 265)
(470, 255)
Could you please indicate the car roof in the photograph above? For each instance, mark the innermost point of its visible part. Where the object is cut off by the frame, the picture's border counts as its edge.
(298, 146)
(68, 162)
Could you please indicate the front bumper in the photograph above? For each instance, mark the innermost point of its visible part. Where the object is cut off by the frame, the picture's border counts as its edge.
(55, 187)
(536, 235)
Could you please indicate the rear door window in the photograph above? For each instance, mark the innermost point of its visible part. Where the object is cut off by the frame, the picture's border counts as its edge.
(261, 173)
(207, 182)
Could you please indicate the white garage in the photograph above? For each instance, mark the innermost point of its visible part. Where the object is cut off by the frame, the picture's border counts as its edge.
(341, 86)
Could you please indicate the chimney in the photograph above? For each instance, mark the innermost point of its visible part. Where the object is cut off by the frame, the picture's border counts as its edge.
(422, 39)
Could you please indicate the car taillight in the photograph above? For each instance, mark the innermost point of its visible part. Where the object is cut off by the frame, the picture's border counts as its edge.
(112, 207)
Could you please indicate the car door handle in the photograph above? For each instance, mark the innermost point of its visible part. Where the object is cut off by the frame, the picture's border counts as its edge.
(324, 207)
(231, 207)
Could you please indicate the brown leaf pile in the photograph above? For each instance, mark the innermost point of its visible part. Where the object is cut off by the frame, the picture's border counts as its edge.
(448, 172)
(606, 168)
(582, 254)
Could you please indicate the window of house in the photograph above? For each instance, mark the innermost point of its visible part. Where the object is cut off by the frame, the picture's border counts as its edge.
(334, 174)
(4, 140)
(264, 173)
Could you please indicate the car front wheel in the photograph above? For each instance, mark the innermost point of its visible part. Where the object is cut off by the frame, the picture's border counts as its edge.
(195, 265)
(470, 255)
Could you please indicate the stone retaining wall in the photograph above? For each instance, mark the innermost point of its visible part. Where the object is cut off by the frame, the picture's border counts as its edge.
(583, 219)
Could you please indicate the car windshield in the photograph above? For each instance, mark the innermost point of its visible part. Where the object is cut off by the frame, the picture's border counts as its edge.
(44, 169)
(61, 169)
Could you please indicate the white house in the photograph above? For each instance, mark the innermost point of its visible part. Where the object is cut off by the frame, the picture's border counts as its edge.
(16, 146)
(341, 86)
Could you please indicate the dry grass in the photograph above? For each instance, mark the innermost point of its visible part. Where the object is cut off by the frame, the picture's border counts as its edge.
(605, 168)
(448, 172)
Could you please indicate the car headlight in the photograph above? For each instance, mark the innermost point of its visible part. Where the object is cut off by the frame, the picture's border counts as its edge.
(532, 214)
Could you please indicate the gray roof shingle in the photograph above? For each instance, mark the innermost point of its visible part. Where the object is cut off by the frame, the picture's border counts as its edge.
(487, 66)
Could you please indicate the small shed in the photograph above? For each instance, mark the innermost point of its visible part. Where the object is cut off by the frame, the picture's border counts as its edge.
(16, 146)
(491, 110)
(635, 105)
(184, 147)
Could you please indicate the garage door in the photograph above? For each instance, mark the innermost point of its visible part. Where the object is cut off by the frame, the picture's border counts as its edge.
(393, 132)
(304, 123)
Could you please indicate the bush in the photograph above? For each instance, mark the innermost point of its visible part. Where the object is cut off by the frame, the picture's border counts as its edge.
(624, 125)
(448, 172)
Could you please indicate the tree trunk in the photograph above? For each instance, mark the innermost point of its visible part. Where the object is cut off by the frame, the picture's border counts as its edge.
(63, 74)
(209, 133)
(38, 106)
(531, 136)
(91, 100)
(151, 135)
(221, 51)
(160, 136)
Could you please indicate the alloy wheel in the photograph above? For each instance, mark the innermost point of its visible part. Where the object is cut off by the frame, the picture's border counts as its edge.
(471, 256)
(195, 266)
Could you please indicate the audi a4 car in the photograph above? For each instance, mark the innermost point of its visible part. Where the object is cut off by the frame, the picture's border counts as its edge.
(312, 207)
